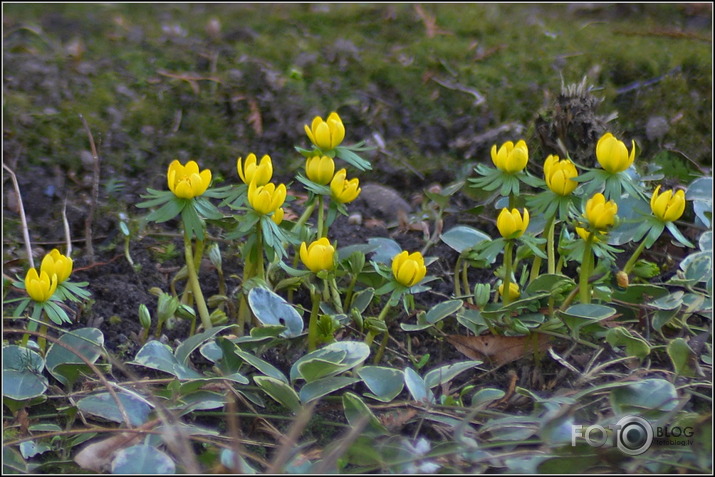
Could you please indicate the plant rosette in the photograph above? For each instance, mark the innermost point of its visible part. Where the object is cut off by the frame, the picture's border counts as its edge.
(510, 160)
(191, 201)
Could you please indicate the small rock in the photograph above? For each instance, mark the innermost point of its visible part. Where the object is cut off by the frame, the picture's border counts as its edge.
(656, 128)
(383, 202)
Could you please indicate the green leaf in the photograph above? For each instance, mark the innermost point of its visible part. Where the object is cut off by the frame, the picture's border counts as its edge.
(417, 387)
(321, 387)
(385, 383)
(168, 211)
(141, 460)
(486, 395)
(206, 209)
(184, 350)
(444, 374)
(344, 153)
(356, 410)
(22, 373)
(635, 346)
(279, 391)
(315, 369)
(272, 309)
(682, 356)
(639, 293)
(193, 225)
(678, 235)
(347, 354)
(156, 355)
(104, 405)
(577, 316)
(263, 366)
(65, 364)
(443, 310)
(649, 397)
(669, 302)
(386, 249)
(461, 237)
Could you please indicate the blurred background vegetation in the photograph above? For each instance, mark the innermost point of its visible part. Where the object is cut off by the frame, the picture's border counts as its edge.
(432, 86)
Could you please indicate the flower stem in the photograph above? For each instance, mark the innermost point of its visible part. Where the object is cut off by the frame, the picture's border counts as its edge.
(322, 232)
(506, 296)
(586, 269)
(313, 323)
(550, 249)
(632, 261)
(194, 283)
(335, 295)
(383, 344)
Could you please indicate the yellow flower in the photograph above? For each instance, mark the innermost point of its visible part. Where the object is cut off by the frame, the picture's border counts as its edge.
(408, 268)
(320, 169)
(251, 170)
(278, 215)
(584, 234)
(55, 263)
(318, 255)
(343, 190)
(266, 198)
(667, 206)
(599, 213)
(511, 224)
(509, 157)
(328, 134)
(613, 155)
(185, 181)
(40, 287)
(559, 175)
(514, 292)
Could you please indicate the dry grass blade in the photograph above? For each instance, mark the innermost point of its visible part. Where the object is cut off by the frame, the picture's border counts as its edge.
(23, 219)
(286, 449)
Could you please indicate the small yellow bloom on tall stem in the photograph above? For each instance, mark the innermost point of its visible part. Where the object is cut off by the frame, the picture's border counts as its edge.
(409, 268)
(666, 205)
(186, 182)
(250, 170)
(328, 134)
(559, 175)
(266, 198)
(510, 158)
(511, 223)
(344, 190)
(320, 169)
(514, 292)
(600, 213)
(54, 263)
(318, 256)
(613, 155)
(40, 287)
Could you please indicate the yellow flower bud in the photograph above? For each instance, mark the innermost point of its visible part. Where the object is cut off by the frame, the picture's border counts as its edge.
(250, 169)
(266, 198)
(328, 134)
(40, 287)
(344, 190)
(318, 256)
(278, 215)
(584, 234)
(667, 206)
(510, 158)
(511, 224)
(408, 268)
(55, 263)
(599, 213)
(613, 155)
(185, 181)
(320, 169)
(559, 175)
(514, 292)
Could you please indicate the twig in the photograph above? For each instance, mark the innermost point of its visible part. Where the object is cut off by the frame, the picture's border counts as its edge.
(68, 236)
(95, 193)
(23, 219)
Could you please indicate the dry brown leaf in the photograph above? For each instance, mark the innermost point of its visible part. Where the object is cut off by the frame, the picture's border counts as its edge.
(254, 117)
(98, 456)
(499, 350)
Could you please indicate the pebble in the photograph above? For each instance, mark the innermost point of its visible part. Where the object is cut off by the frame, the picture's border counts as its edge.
(383, 202)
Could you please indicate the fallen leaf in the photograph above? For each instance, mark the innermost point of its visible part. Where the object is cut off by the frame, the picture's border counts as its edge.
(499, 350)
(254, 117)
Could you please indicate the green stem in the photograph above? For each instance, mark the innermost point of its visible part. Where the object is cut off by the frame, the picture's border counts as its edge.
(632, 261)
(349, 292)
(322, 232)
(313, 323)
(506, 298)
(465, 282)
(586, 269)
(194, 283)
(550, 249)
(457, 288)
(335, 295)
(383, 344)
(304, 217)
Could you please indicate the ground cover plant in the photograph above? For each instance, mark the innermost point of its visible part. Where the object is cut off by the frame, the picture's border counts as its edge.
(357, 238)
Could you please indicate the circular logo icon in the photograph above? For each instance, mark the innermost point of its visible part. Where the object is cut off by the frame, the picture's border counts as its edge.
(634, 435)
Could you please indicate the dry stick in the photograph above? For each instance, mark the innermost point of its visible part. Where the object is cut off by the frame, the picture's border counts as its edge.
(95, 193)
(68, 236)
(23, 219)
(301, 420)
